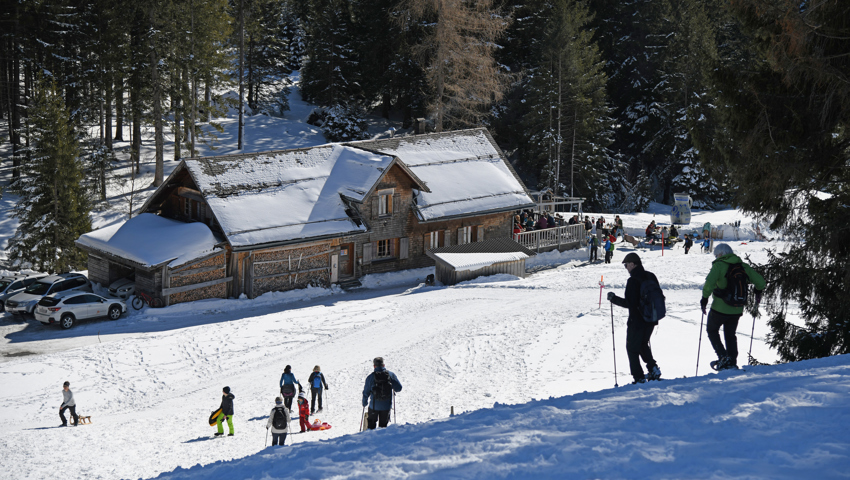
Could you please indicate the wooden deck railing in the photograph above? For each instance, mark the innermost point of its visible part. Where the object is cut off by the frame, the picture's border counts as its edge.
(537, 239)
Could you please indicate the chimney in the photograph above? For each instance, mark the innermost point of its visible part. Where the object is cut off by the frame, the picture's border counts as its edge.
(420, 126)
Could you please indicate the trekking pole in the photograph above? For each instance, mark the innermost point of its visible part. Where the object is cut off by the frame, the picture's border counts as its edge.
(266, 443)
(362, 414)
(700, 342)
(614, 342)
(753, 332)
(394, 420)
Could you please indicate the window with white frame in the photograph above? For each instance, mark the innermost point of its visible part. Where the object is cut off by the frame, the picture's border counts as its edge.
(385, 204)
(464, 235)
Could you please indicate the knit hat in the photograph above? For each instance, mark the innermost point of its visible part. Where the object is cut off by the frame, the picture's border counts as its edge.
(226, 389)
(378, 361)
(303, 395)
(722, 249)
(278, 400)
(632, 258)
(66, 384)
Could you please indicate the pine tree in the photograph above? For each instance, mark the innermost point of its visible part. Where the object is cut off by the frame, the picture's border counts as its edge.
(786, 113)
(52, 209)
(329, 75)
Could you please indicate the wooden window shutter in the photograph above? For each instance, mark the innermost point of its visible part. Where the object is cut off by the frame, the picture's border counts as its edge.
(404, 247)
(441, 235)
(390, 201)
(426, 242)
(367, 253)
(479, 234)
(375, 206)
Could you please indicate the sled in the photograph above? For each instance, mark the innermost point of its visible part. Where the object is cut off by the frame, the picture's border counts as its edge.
(318, 425)
(214, 417)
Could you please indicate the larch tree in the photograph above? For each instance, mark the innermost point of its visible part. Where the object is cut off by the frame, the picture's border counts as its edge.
(458, 56)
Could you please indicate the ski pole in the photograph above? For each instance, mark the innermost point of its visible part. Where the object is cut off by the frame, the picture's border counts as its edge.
(614, 342)
(362, 414)
(601, 278)
(753, 332)
(394, 421)
(696, 372)
(266, 443)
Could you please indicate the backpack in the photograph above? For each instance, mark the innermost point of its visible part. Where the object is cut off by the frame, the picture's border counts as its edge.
(383, 387)
(735, 293)
(279, 419)
(652, 306)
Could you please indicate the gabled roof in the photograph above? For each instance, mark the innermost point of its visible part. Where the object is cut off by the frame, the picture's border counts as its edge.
(291, 195)
(274, 197)
(465, 170)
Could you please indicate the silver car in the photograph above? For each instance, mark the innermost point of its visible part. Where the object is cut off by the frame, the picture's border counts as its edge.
(67, 308)
(13, 284)
(123, 288)
(25, 301)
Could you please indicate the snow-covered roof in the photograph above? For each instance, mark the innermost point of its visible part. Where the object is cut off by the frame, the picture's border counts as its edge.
(151, 240)
(465, 171)
(474, 261)
(288, 195)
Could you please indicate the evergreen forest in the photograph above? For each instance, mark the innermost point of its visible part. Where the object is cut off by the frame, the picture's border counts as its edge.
(622, 102)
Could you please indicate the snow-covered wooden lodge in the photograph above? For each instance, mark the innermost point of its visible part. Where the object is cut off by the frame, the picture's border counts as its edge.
(253, 223)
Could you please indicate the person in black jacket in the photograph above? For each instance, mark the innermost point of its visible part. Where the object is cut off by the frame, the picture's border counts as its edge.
(638, 330)
(226, 412)
(316, 381)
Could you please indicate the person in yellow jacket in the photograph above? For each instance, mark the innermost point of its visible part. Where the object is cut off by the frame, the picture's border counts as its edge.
(722, 314)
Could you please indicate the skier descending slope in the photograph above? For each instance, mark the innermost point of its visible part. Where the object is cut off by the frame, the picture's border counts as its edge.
(638, 329)
(727, 284)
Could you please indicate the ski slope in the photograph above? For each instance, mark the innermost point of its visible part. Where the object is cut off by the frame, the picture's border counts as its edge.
(149, 380)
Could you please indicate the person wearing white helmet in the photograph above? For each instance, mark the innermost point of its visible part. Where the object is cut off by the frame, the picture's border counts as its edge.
(727, 284)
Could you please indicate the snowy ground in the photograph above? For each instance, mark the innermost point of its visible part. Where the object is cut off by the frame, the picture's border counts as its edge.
(150, 379)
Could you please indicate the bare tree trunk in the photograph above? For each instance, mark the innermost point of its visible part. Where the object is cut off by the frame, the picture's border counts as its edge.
(110, 92)
(194, 84)
(241, 72)
(157, 107)
(558, 136)
(119, 109)
(175, 107)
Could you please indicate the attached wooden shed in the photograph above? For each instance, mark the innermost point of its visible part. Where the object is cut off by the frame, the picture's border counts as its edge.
(459, 263)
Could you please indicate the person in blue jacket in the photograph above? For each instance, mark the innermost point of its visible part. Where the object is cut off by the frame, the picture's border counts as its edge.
(378, 394)
(287, 386)
(316, 381)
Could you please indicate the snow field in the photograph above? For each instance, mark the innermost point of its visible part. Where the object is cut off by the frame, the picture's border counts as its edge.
(153, 381)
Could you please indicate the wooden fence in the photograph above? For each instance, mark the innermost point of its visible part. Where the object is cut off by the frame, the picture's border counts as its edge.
(559, 237)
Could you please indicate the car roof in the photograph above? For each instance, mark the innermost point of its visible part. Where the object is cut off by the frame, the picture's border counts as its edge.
(70, 293)
(61, 276)
(21, 276)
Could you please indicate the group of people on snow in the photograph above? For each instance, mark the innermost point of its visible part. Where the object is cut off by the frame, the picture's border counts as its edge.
(728, 273)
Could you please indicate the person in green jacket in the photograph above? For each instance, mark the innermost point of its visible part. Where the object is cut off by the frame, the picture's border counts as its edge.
(723, 314)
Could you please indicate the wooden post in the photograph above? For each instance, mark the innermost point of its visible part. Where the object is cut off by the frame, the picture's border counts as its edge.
(453, 411)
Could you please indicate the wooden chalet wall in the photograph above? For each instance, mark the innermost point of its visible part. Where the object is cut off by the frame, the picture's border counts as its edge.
(291, 267)
(407, 235)
(98, 270)
(196, 281)
(449, 276)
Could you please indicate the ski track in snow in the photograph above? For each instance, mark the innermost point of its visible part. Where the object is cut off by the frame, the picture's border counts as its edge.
(493, 340)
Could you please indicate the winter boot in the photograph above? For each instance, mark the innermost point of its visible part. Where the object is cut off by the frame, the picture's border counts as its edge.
(642, 380)
(654, 373)
(217, 434)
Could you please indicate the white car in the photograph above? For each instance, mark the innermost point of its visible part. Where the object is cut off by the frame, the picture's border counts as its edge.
(26, 301)
(123, 287)
(67, 308)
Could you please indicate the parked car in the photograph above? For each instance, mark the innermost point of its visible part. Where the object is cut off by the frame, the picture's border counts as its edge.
(13, 284)
(26, 301)
(123, 287)
(69, 307)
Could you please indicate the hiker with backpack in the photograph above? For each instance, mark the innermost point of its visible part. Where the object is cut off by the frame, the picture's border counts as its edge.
(287, 386)
(378, 394)
(727, 284)
(594, 246)
(316, 381)
(609, 248)
(643, 294)
(689, 242)
(279, 422)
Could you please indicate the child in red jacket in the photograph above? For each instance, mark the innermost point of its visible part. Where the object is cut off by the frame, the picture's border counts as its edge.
(304, 411)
